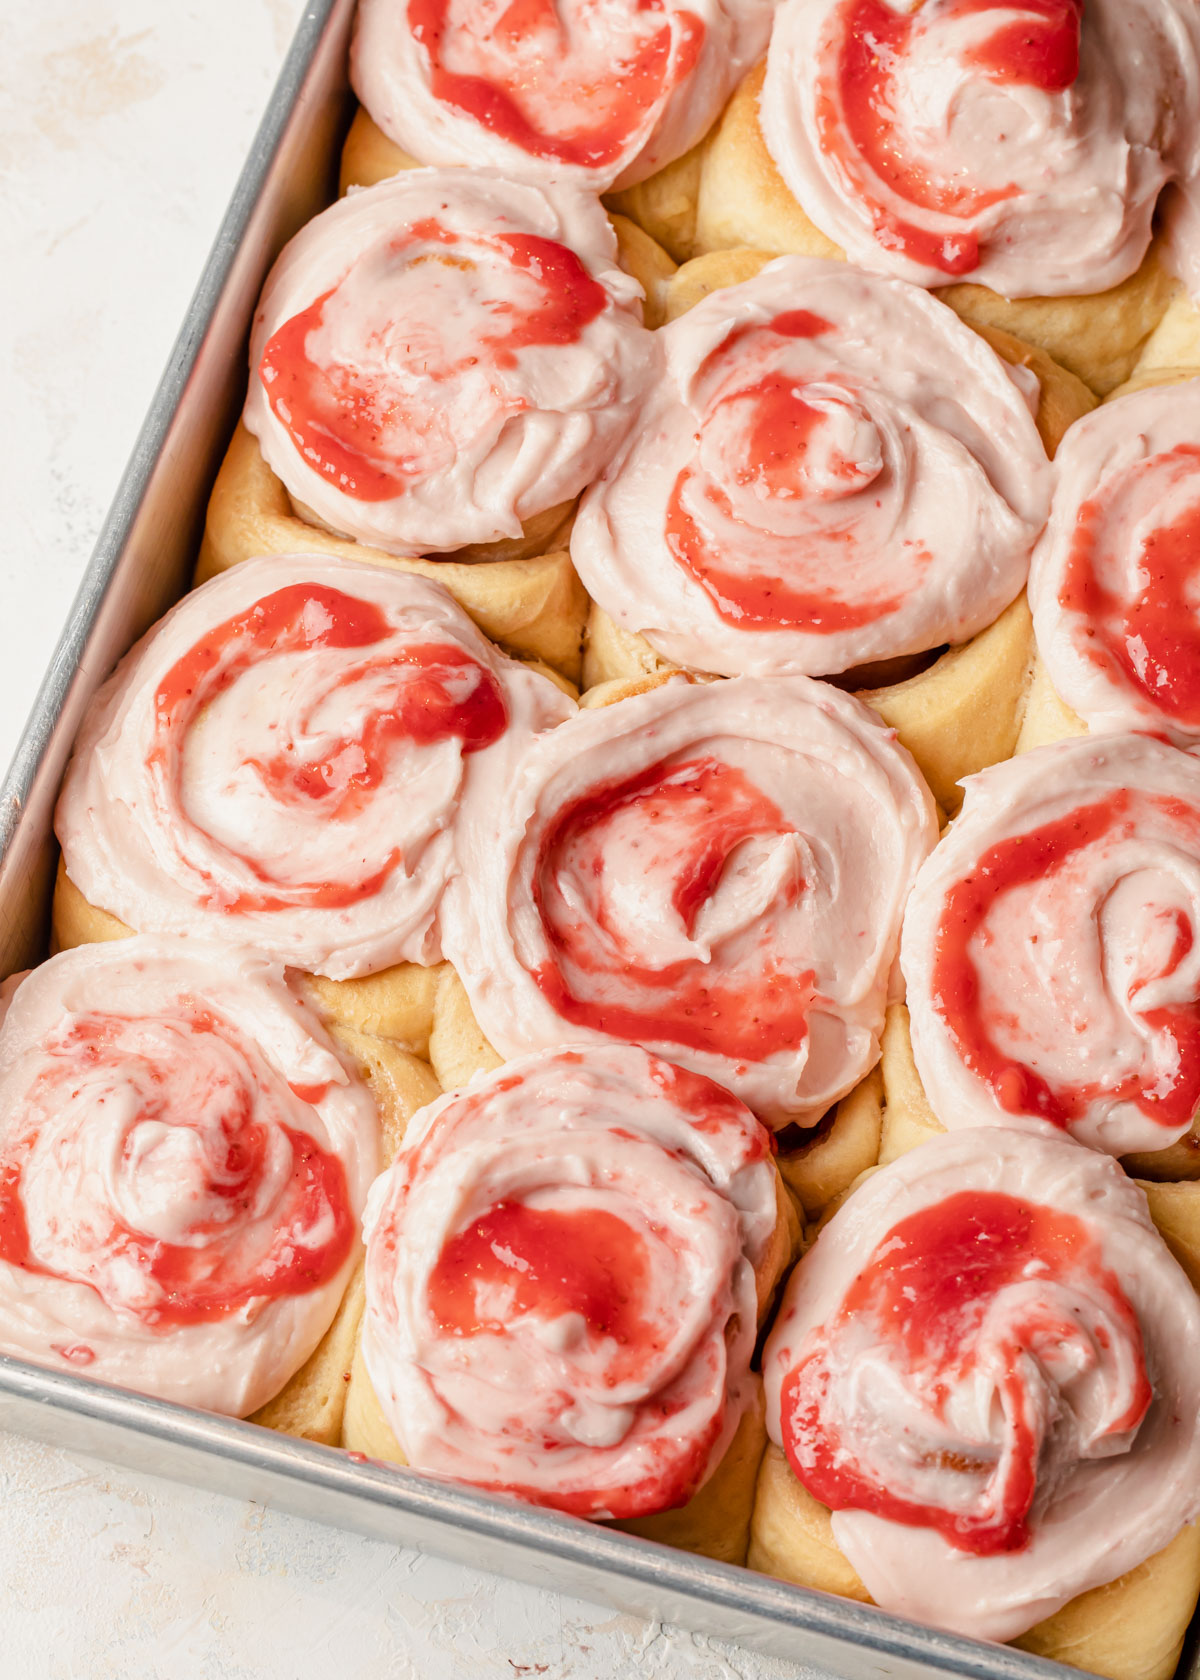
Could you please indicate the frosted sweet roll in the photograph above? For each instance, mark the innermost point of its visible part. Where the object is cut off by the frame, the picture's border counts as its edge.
(441, 357)
(1009, 144)
(715, 871)
(1050, 949)
(184, 1160)
(985, 1368)
(830, 470)
(602, 92)
(280, 763)
(561, 1280)
(1115, 580)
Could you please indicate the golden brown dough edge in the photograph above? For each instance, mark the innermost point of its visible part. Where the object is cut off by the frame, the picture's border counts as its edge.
(744, 202)
(382, 1024)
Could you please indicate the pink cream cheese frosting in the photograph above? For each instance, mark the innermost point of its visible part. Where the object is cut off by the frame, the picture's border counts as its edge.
(280, 761)
(830, 469)
(602, 92)
(715, 871)
(1020, 145)
(184, 1159)
(440, 357)
(1115, 580)
(986, 1367)
(1050, 949)
(560, 1280)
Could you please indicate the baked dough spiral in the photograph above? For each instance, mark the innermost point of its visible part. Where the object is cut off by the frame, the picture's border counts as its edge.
(603, 92)
(1005, 143)
(1050, 951)
(183, 1163)
(986, 1367)
(715, 871)
(280, 762)
(561, 1280)
(831, 469)
(442, 356)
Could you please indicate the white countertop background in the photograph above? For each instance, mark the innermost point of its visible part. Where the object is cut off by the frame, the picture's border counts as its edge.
(122, 131)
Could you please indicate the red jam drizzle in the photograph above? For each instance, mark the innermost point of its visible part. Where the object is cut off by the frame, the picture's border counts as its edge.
(1023, 860)
(599, 111)
(440, 694)
(1151, 642)
(925, 1292)
(856, 109)
(219, 1277)
(697, 812)
(341, 419)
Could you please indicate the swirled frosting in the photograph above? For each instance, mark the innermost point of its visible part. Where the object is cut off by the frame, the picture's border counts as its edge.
(986, 1367)
(440, 357)
(560, 1280)
(714, 871)
(279, 762)
(600, 91)
(831, 469)
(1021, 145)
(183, 1162)
(1115, 582)
(1050, 948)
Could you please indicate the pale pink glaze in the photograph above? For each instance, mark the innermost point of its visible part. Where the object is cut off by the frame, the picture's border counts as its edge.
(966, 140)
(831, 469)
(593, 1351)
(714, 871)
(472, 348)
(176, 1126)
(600, 91)
(1115, 580)
(1050, 950)
(1052, 1373)
(280, 762)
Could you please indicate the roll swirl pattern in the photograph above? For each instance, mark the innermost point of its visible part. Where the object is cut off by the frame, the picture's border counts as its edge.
(603, 92)
(831, 469)
(280, 762)
(715, 871)
(560, 1280)
(183, 1163)
(442, 356)
(1114, 580)
(1004, 143)
(1050, 950)
(986, 1368)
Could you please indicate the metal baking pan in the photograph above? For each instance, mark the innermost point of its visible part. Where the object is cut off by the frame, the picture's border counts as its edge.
(141, 565)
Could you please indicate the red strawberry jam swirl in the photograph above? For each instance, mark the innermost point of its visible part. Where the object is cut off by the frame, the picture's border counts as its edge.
(282, 761)
(675, 870)
(443, 356)
(831, 470)
(1050, 948)
(182, 1166)
(560, 1280)
(988, 139)
(984, 1369)
(598, 90)
(1115, 584)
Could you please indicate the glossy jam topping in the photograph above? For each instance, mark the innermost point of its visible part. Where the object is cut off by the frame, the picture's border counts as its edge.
(196, 1158)
(978, 1287)
(526, 70)
(1135, 582)
(364, 424)
(685, 825)
(560, 1296)
(1059, 850)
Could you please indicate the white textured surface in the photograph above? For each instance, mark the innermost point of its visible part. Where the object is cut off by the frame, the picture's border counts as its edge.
(123, 131)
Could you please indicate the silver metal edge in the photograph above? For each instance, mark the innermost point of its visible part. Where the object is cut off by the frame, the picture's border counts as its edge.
(27, 1390)
(64, 662)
